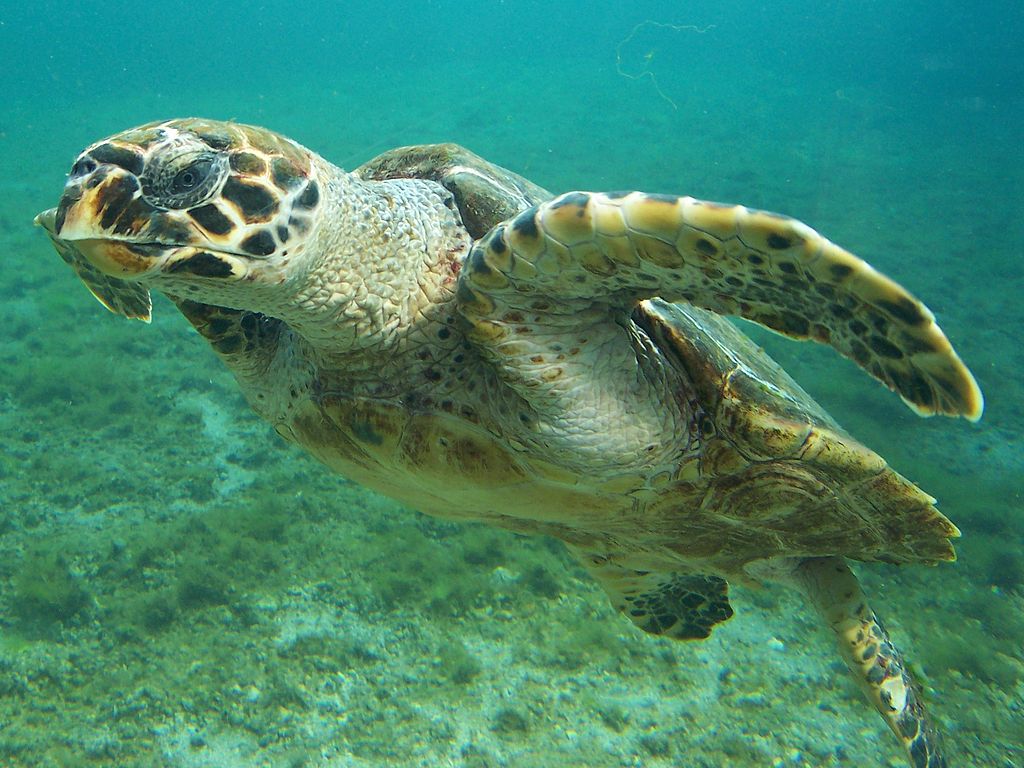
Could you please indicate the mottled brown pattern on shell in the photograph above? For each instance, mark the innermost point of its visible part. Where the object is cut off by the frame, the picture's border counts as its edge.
(780, 475)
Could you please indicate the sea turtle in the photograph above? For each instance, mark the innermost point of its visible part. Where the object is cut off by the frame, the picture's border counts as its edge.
(451, 335)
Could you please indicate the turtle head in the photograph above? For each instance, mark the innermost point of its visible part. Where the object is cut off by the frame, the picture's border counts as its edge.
(190, 203)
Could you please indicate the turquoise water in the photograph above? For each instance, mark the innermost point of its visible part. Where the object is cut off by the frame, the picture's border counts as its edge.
(179, 588)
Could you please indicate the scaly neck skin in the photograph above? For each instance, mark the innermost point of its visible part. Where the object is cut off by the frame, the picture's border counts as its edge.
(379, 274)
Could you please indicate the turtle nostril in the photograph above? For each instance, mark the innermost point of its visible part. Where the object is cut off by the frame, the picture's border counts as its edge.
(84, 166)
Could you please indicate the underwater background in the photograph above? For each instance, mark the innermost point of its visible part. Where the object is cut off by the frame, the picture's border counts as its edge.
(180, 588)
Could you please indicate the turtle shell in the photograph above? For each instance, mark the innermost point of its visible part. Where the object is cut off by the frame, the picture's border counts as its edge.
(776, 476)
(484, 193)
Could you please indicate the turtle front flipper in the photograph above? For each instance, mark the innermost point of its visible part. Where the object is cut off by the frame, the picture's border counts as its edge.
(682, 606)
(879, 668)
(585, 249)
(246, 341)
(122, 297)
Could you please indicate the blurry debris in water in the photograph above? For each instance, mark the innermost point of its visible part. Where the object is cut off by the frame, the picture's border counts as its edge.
(647, 57)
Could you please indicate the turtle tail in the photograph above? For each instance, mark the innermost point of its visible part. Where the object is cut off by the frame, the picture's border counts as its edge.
(867, 650)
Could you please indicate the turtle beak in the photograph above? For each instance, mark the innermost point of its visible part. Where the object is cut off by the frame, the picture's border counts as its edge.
(47, 220)
(121, 297)
(102, 212)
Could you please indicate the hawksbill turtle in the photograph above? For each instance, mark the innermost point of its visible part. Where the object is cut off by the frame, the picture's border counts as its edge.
(449, 334)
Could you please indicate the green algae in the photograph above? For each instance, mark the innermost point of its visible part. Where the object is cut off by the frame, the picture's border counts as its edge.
(510, 721)
(456, 663)
(45, 590)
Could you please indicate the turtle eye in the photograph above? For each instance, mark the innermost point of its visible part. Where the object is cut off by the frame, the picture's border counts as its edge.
(183, 179)
(189, 178)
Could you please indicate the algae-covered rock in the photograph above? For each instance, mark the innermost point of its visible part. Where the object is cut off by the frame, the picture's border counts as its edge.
(456, 663)
(45, 590)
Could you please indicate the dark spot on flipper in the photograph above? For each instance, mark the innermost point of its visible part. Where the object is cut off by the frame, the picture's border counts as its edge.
(705, 247)
(879, 371)
(525, 224)
(885, 348)
(876, 674)
(259, 244)
(128, 159)
(496, 243)
(618, 194)
(250, 322)
(464, 294)
(788, 323)
(203, 264)
(228, 345)
(840, 312)
(196, 313)
(283, 234)
(215, 322)
(210, 218)
(310, 196)
(577, 199)
(859, 353)
(919, 753)
(904, 309)
(788, 267)
(857, 328)
(909, 721)
(825, 290)
(840, 271)
(220, 325)
(655, 197)
(253, 201)
(912, 386)
(778, 242)
(478, 266)
(755, 258)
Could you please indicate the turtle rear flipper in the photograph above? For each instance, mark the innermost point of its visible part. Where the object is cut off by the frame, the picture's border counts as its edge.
(679, 605)
(878, 666)
(122, 297)
(585, 250)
